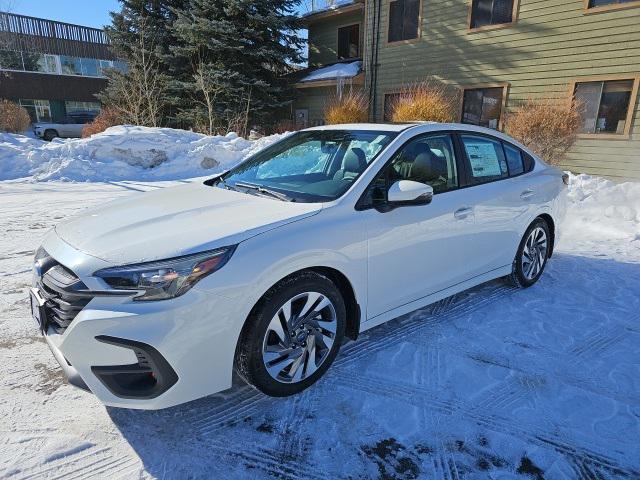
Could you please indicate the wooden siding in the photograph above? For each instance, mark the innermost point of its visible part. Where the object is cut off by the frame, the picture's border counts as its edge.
(41, 86)
(315, 99)
(552, 43)
(323, 37)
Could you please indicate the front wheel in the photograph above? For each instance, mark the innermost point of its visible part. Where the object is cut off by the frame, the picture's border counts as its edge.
(50, 135)
(293, 335)
(532, 255)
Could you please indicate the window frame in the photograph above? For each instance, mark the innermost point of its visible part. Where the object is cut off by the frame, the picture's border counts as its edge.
(467, 163)
(461, 168)
(631, 109)
(410, 40)
(349, 25)
(503, 106)
(496, 26)
(587, 10)
(470, 179)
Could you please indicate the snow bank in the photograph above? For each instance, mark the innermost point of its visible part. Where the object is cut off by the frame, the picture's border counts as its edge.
(602, 216)
(124, 153)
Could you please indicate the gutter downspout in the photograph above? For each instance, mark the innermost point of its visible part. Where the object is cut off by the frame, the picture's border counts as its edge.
(375, 48)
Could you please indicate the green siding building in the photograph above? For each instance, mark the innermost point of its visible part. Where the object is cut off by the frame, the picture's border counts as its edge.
(498, 53)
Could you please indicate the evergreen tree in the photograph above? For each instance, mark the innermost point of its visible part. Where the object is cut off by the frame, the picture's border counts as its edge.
(211, 65)
(238, 52)
(140, 35)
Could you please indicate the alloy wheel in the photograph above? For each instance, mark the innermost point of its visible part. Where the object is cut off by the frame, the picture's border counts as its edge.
(299, 337)
(534, 254)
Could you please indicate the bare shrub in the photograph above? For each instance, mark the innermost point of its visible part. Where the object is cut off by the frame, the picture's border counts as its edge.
(352, 107)
(109, 117)
(284, 126)
(428, 101)
(13, 117)
(548, 127)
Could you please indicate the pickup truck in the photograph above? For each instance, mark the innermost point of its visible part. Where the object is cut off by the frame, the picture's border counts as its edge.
(70, 127)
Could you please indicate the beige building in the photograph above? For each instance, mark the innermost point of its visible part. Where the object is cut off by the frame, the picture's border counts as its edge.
(498, 53)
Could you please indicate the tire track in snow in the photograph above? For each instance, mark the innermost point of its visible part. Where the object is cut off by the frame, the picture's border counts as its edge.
(83, 461)
(240, 405)
(531, 369)
(598, 342)
(268, 460)
(398, 330)
(416, 396)
(291, 443)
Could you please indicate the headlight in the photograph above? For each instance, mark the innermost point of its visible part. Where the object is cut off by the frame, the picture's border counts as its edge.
(165, 279)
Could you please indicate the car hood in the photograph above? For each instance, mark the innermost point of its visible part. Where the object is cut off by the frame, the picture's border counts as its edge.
(176, 221)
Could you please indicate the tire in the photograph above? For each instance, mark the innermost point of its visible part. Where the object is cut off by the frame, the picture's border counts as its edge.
(532, 256)
(283, 358)
(50, 135)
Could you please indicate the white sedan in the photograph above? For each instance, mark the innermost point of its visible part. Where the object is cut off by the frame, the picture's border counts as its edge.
(152, 301)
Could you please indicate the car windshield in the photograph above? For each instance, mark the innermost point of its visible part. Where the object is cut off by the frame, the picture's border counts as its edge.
(309, 166)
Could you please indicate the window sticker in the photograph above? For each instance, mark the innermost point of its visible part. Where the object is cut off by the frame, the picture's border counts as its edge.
(483, 158)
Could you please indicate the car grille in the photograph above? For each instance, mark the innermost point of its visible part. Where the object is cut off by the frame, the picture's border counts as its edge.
(64, 292)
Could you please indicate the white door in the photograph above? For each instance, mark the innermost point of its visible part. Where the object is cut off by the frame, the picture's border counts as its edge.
(501, 204)
(415, 251)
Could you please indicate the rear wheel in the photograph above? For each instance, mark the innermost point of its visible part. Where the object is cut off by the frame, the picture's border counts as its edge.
(293, 335)
(532, 255)
(50, 135)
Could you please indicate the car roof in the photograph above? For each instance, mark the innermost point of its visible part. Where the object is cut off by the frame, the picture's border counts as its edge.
(379, 127)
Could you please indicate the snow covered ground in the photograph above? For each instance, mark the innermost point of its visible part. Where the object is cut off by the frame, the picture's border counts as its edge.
(495, 382)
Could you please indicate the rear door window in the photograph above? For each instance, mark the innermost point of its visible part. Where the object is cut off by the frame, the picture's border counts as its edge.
(514, 160)
(529, 162)
(485, 159)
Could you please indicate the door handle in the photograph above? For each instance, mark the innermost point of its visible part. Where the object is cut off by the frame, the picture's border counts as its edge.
(527, 194)
(463, 213)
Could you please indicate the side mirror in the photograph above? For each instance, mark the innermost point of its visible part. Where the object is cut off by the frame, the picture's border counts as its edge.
(408, 192)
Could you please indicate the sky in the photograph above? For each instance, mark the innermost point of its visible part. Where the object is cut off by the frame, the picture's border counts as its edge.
(90, 13)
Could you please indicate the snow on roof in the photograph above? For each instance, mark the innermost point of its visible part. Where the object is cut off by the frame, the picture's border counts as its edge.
(332, 72)
(328, 7)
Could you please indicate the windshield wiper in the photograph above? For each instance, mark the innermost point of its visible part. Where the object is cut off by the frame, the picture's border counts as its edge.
(264, 191)
(221, 181)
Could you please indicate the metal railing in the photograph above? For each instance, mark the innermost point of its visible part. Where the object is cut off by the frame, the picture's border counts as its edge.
(38, 35)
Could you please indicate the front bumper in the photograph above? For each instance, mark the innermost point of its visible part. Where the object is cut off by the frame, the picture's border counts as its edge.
(70, 373)
(149, 356)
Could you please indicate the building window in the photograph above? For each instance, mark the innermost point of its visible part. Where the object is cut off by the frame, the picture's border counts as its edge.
(483, 106)
(104, 65)
(46, 63)
(485, 13)
(404, 20)
(90, 67)
(390, 100)
(39, 110)
(607, 106)
(11, 60)
(612, 3)
(349, 42)
(76, 107)
(71, 65)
